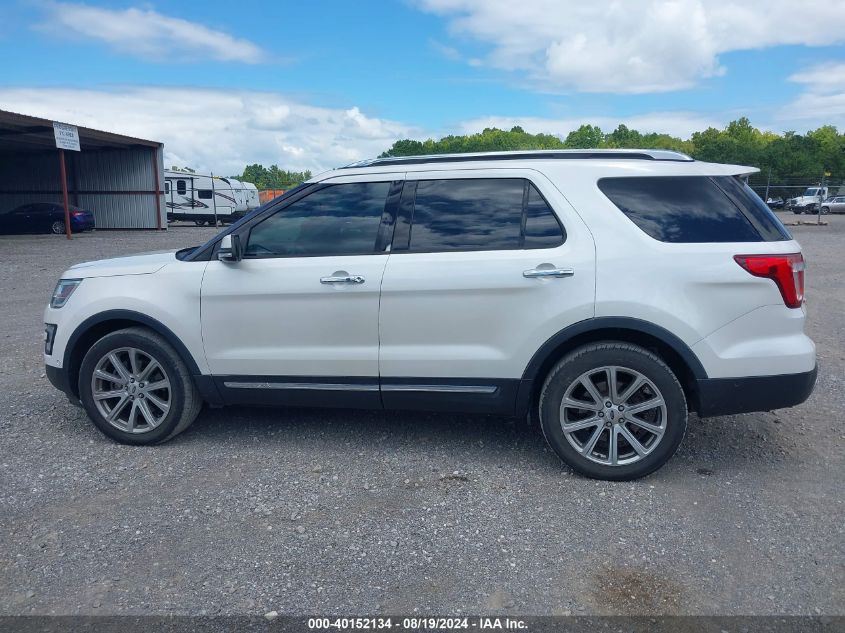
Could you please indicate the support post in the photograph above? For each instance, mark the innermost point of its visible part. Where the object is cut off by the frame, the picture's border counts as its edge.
(157, 184)
(214, 201)
(768, 182)
(63, 171)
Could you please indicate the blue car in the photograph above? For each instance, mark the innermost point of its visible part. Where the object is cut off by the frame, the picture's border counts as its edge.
(44, 217)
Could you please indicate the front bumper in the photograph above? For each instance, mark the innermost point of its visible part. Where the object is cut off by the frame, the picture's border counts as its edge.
(59, 379)
(728, 396)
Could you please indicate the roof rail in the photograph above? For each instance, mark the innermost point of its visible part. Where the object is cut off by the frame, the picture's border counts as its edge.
(550, 154)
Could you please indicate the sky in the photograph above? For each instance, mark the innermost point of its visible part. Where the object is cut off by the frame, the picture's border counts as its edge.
(322, 83)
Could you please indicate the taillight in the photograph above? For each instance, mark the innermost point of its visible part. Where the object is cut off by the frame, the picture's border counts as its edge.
(77, 214)
(787, 271)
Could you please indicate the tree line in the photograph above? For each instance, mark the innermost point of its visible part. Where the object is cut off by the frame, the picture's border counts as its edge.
(785, 159)
(272, 177)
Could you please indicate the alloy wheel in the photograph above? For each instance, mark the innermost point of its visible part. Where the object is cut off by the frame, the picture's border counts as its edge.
(131, 390)
(613, 415)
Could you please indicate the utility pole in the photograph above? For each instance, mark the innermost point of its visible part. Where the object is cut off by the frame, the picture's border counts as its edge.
(821, 199)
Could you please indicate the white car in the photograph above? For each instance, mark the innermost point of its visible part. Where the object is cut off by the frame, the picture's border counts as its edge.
(605, 293)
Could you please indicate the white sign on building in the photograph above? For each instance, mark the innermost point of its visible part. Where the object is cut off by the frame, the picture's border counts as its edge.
(67, 136)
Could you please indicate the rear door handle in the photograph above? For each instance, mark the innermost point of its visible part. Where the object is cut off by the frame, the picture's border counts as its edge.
(342, 279)
(548, 272)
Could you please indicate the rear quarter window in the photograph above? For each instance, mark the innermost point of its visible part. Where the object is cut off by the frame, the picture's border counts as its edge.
(767, 224)
(693, 209)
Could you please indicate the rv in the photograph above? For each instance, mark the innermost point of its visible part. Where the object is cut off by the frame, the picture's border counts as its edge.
(251, 192)
(201, 198)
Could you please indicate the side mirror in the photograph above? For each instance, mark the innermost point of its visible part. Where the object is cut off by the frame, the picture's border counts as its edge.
(230, 249)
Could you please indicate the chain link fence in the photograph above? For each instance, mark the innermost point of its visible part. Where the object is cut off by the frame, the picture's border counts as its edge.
(801, 194)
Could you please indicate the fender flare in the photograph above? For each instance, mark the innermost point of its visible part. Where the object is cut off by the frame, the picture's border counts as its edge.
(137, 317)
(550, 347)
(619, 323)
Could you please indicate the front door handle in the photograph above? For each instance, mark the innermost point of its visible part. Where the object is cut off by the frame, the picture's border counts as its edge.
(548, 272)
(342, 278)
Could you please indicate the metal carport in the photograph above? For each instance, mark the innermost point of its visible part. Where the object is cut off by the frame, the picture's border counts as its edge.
(118, 178)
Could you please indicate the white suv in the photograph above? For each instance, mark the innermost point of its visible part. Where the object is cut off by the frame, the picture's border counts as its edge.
(605, 293)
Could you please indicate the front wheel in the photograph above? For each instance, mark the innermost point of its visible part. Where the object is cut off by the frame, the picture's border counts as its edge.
(825, 210)
(613, 411)
(136, 389)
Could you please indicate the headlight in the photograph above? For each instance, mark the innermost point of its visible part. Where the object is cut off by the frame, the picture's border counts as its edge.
(64, 289)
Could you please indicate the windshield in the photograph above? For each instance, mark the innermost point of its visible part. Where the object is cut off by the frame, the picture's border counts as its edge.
(812, 191)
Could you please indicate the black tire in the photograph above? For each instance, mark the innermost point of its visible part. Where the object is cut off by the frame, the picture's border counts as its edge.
(797, 211)
(57, 228)
(200, 222)
(185, 401)
(825, 210)
(624, 355)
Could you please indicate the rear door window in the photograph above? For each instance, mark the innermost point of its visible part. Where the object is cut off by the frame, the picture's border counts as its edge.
(690, 209)
(480, 214)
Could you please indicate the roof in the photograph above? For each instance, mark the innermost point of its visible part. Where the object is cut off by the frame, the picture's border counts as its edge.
(551, 154)
(580, 165)
(24, 133)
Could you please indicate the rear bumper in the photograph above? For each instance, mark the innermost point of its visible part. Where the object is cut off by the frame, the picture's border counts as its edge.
(727, 396)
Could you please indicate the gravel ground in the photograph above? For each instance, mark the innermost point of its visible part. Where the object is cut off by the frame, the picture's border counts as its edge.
(310, 511)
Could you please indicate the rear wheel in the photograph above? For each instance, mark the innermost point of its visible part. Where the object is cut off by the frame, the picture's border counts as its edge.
(613, 411)
(57, 227)
(136, 389)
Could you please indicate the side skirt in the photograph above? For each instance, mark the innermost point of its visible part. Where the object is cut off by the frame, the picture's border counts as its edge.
(465, 395)
(300, 391)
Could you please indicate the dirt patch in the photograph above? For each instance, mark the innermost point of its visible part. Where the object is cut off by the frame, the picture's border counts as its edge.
(623, 590)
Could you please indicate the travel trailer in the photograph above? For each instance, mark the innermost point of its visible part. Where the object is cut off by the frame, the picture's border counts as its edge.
(251, 193)
(199, 198)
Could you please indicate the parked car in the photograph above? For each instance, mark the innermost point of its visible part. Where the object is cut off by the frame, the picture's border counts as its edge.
(775, 203)
(834, 205)
(604, 294)
(45, 217)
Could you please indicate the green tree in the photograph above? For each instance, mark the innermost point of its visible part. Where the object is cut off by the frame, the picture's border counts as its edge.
(792, 159)
(585, 137)
(272, 177)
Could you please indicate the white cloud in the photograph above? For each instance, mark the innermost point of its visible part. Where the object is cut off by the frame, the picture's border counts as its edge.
(680, 124)
(823, 99)
(828, 77)
(223, 130)
(635, 46)
(148, 34)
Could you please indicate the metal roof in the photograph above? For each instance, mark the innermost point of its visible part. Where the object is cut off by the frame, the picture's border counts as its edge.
(24, 133)
(551, 154)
